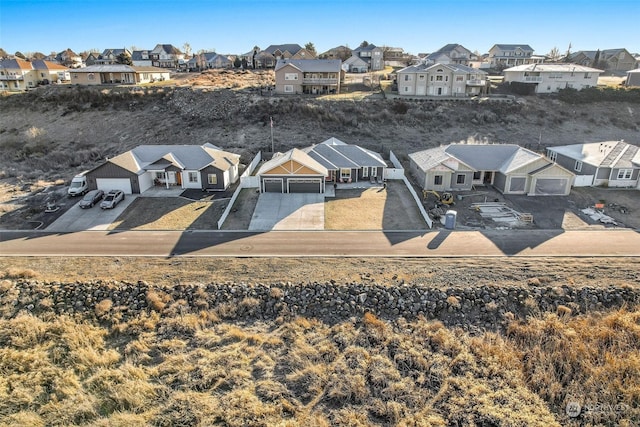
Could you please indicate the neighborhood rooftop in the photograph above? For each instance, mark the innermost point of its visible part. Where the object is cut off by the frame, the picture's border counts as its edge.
(335, 154)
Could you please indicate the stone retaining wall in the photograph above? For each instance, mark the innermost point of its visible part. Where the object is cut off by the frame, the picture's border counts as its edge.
(472, 308)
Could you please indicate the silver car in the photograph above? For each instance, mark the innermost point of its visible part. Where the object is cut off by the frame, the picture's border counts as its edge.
(112, 198)
(91, 198)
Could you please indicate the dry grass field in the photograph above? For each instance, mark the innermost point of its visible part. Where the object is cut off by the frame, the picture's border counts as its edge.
(170, 213)
(376, 208)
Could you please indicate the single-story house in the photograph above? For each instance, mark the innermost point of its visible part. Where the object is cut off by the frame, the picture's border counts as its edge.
(292, 172)
(346, 162)
(117, 74)
(205, 167)
(355, 64)
(550, 78)
(509, 168)
(609, 163)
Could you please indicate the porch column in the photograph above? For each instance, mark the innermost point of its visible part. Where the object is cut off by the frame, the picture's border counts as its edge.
(166, 179)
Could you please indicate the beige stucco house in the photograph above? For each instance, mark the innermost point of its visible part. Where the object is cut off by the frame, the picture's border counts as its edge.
(17, 75)
(118, 74)
(308, 76)
(441, 80)
(549, 78)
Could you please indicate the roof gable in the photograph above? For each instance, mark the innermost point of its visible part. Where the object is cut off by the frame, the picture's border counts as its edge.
(607, 154)
(293, 162)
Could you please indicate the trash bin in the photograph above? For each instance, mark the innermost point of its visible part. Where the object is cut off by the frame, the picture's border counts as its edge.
(450, 219)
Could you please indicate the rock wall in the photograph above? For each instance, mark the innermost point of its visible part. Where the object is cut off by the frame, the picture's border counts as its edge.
(471, 308)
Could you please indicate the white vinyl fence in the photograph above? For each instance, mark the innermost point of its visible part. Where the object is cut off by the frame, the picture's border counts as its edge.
(398, 167)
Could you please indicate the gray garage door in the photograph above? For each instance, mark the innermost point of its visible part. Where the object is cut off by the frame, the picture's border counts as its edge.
(305, 185)
(551, 186)
(271, 185)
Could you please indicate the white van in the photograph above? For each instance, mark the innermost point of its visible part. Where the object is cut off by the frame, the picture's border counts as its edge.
(78, 185)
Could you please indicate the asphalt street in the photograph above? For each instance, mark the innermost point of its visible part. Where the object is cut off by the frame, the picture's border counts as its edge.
(522, 243)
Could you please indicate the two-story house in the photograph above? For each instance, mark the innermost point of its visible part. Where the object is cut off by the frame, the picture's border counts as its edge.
(17, 75)
(549, 78)
(69, 59)
(110, 56)
(608, 59)
(441, 80)
(309, 76)
(141, 58)
(207, 60)
(267, 58)
(450, 54)
(166, 56)
(372, 55)
(510, 55)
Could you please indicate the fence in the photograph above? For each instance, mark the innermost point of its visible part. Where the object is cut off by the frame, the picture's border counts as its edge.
(246, 181)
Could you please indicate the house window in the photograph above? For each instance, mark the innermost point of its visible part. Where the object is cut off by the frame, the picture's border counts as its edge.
(193, 176)
(407, 78)
(624, 174)
(212, 179)
(421, 77)
(459, 78)
(586, 76)
(477, 175)
(291, 76)
(438, 78)
(578, 166)
(406, 89)
(431, 78)
(365, 172)
(345, 174)
(159, 175)
(460, 178)
(288, 88)
(437, 180)
(552, 155)
(374, 172)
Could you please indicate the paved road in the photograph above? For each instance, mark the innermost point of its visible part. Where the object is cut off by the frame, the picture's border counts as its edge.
(323, 243)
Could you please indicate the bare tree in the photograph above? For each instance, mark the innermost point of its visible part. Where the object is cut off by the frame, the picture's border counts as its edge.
(554, 54)
(187, 48)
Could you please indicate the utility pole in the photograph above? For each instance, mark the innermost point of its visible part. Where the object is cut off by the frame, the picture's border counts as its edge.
(272, 146)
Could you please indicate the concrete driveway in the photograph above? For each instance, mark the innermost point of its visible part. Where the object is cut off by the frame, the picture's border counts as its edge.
(296, 211)
(78, 219)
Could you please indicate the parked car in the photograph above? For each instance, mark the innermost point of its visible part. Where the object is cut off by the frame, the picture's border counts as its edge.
(91, 198)
(112, 198)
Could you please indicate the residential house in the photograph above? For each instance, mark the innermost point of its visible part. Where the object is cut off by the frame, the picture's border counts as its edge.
(205, 167)
(549, 78)
(111, 56)
(141, 58)
(292, 172)
(118, 74)
(269, 57)
(609, 59)
(340, 52)
(441, 80)
(372, 55)
(633, 77)
(91, 58)
(510, 55)
(69, 59)
(346, 162)
(609, 163)
(17, 75)
(355, 64)
(166, 56)
(508, 168)
(309, 76)
(308, 170)
(450, 54)
(206, 60)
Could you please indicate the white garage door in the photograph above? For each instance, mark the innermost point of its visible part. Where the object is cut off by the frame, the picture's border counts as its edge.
(107, 184)
(551, 186)
(583, 180)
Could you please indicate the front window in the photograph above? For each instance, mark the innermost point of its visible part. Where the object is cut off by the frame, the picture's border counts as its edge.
(345, 173)
(552, 155)
(460, 179)
(76, 184)
(437, 180)
(291, 76)
(212, 179)
(438, 78)
(624, 174)
(477, 175)
(288, 89)
(193, 176)
(578, 166)
(365, 172)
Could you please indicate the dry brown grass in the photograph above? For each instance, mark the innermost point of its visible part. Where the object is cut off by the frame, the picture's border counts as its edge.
(192, 369)
(373, 208)
(148, 213)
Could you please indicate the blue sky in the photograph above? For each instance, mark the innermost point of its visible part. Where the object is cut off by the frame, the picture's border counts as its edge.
(235, 26)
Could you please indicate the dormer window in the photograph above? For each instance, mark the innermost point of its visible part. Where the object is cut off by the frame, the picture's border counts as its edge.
(439, 70)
